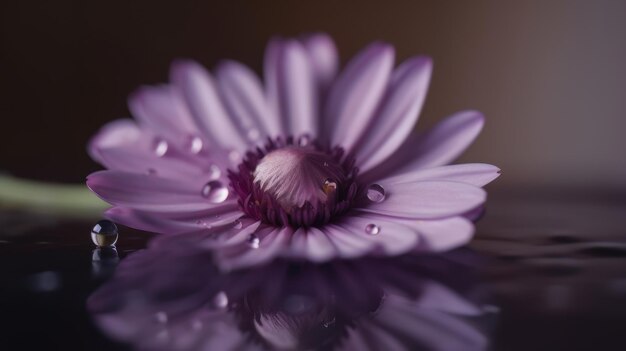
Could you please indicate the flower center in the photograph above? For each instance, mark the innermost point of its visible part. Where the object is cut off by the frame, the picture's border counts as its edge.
(297, 175)
(288, 184)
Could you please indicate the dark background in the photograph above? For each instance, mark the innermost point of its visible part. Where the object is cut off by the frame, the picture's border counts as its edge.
(549, 75)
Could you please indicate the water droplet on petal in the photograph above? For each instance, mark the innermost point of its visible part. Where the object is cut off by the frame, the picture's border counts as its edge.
(375, 193)
(160, 147)
(372, 229)
(237, 224)
(195, 144)
(253, 134)
(220, 300)
(104, 233)
(215, 191)
(254, 241)
(161, 317)
(214, 172)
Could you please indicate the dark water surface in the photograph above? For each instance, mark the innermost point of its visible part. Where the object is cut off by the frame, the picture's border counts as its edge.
(546, 271)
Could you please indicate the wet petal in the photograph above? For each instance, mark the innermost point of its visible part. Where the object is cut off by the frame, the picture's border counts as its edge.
(200, 93)
(291, 86)
(244, 97)
(437, 147)
(391, 237)
(356, 94)
(427, 199)
(272, 241)
(398, 114)
(163, 110)
(149, 193)
(324, 58)
(478, 174)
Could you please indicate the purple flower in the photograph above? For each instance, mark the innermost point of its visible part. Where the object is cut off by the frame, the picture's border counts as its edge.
(308, 164)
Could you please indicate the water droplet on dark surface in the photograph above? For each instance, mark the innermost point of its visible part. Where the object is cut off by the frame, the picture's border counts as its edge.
(104, 233)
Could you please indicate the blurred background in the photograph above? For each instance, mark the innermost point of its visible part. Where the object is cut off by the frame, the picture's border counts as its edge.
(549, 75)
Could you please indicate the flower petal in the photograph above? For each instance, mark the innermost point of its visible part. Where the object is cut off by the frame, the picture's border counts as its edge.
(244, 97)
(356, 94)
(313, 244)
(272, 241)
(324, 58)
(206, 108)
(398, 114)
(291, 86)
(150, 193)
(159, 223)
(391, 237)
(163, 110)
(444, 234)
(478, 174)
(437, 147)
(427, 199)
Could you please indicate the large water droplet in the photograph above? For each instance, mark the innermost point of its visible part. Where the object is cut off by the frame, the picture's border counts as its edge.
(254, 241)
(372, 229)
(104, 233)
(220, 300)
(195, 144)
(375, 193)
(214, 172)
(160, 147)
(215, 191)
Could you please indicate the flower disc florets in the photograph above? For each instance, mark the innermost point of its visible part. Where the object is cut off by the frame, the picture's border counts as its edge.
(297, 183)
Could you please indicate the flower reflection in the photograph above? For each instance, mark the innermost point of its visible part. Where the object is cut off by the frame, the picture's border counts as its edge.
(164, 299)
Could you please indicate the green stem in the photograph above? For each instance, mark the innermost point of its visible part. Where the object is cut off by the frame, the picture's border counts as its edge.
(58, 199)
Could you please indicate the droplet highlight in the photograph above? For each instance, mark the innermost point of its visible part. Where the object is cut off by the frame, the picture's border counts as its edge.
(214, 172)
(160, 147)
(220, 300)
(304, 140)
(195, 144)
(372, 229)
(375, 193)
(254, 241)
(104, 233)
(215, 191)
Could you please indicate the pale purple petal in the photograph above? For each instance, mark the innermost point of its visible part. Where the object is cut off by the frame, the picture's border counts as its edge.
(356, 94)
(347, 244)
(294, 85)
(150, 193)
(313, 244)
(163, 110)
(389, 237)
(444, 234)
(116, 133)
(398, 114)
(220, 237)
(427, 199)
(478, 174)
(272, 241)
(437, 147)
(160, 223)
(243, 95)
(324, 58)
(200, 93)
